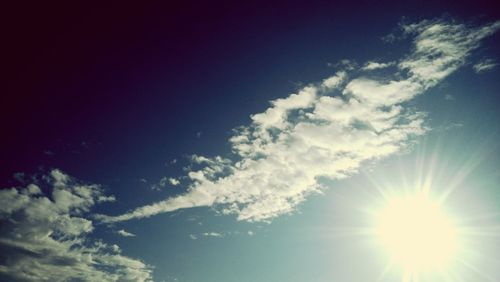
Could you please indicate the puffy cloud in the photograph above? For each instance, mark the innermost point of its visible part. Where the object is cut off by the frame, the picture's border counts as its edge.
(44, 237)
(173, 181)
(328, 129)
(484, 65)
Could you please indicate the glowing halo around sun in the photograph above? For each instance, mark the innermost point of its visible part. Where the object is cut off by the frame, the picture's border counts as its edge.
(432, 218)
(417, 233)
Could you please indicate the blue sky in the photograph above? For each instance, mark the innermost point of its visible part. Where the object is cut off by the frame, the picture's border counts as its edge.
(244, 143)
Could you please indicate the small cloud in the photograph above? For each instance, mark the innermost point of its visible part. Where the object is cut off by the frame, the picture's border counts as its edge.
(193, 237)
(143, 180)
(250, 233)
(449, 97)
(125, 233)
(344, 64)
(213, 234)
(371, 65)
(389, 38)
(335, 80)
(484, 65)
(453, 125)
(164, 181)
(198, 134)
(171, 162)
(48, 153)
(174, 181)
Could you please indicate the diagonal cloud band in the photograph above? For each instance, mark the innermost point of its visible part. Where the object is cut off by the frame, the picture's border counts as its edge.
(327, 129)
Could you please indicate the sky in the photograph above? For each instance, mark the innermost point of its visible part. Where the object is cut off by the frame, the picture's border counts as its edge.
(254, 141)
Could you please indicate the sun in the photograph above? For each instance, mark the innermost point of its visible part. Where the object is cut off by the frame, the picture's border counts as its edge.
(417, 233)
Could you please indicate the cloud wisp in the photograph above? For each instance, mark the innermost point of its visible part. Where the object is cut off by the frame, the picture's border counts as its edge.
(484, 65)
(373, 65)
(125, 233)
(326, 129)
(44, 237)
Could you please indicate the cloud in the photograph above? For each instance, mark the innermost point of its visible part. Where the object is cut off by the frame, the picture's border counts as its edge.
(173, 181)
(325, 130)
(124, 233)
(164, 181)
(213, 234)
(389, 38)
(441, 48)
(484, 65)
(449, 97)
(206, 234)
(45, 236)
(376, 65)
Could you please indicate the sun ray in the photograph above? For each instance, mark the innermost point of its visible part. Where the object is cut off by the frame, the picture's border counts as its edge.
(439, 212)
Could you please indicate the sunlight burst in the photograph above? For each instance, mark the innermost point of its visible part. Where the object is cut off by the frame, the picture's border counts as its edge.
(417, 233)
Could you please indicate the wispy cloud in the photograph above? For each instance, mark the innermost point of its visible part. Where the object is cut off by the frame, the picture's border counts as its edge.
(206, 234)
(449, 97)
(124, 233)
(45, 237)
(164, 181)
(213, 234)
(484, 65)
(326, 129)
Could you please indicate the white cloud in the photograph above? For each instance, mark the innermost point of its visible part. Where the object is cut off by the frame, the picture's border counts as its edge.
(45, 237)
(174, 181)
(164, 181)
(484, 65)
(213, 234)
(124, 233)
(206, 234)
(376, 65)
(441, 47)
(328, 129)
(334, 81)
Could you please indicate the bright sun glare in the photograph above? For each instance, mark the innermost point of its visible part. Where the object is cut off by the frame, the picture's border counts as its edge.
(417, 233)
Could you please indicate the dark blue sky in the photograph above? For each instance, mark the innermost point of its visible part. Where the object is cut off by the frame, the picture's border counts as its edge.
(122, 88)
(121, 95)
